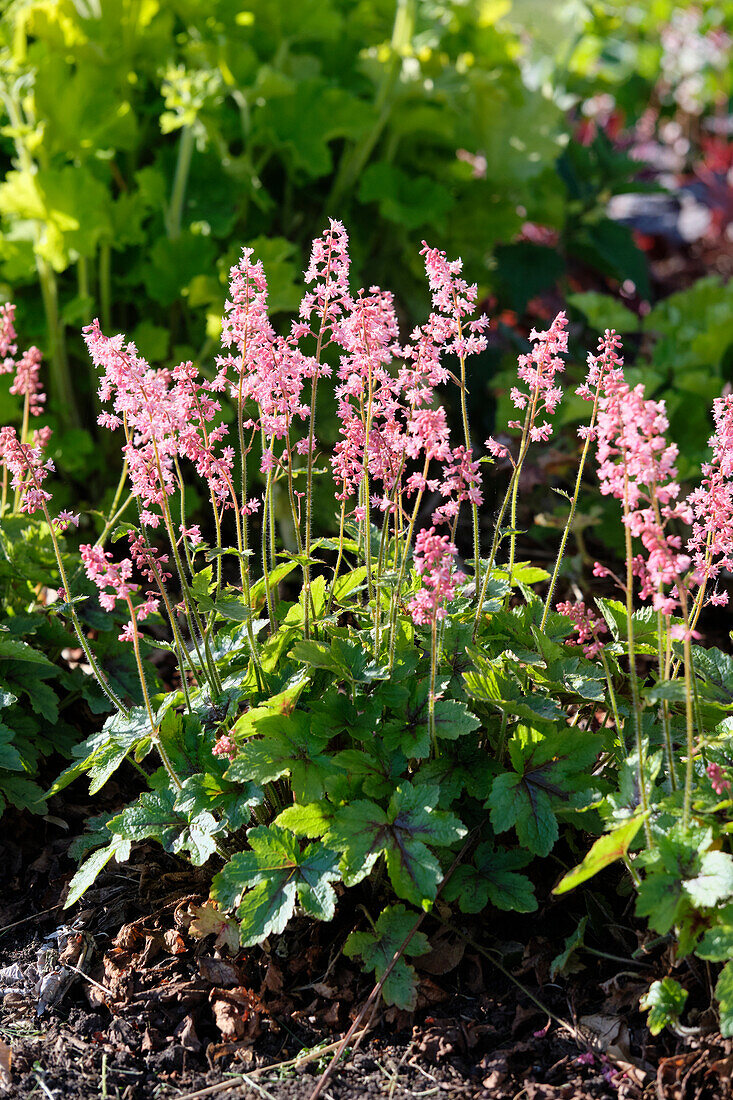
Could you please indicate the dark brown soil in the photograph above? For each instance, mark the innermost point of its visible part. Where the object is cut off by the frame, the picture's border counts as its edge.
(172, 1015)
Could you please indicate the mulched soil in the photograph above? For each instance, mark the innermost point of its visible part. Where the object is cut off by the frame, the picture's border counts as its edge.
(173, 1014)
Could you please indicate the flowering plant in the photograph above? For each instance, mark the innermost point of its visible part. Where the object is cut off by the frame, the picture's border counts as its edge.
(369, 701)
(43, 685)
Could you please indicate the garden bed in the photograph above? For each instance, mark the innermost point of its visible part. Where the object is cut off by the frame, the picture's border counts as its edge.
(179, 1016)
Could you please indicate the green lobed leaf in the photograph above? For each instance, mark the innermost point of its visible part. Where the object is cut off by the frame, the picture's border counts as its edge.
(378, 948)
(492, 878)
(264, 883)
(664, 1002)
(119, 848)
(605, 851)
(724, 997)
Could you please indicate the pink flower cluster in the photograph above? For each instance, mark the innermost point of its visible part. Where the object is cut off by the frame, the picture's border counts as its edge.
(717, 779)
(268, 370)
(372, 438)
(165, 414)
(8, 338)
(108, 574)
(27, 381)
(605, 369)
(637, 466)
(225, 747)
(711, 542)
(26, 464)
(537, 372)
(392, 415)
(588, 626)
(434, 561)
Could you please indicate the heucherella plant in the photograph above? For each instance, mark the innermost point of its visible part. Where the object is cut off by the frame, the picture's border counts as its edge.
(369, 702)
(42, 690)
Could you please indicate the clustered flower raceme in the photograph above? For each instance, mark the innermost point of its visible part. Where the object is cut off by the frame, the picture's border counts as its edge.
(26, 463)
(26, 382)
(588, 626)
(537, 371)
(434, 561)
(711, 543)
(605, 369)
(369, 406)
(268, 370)
(108, 574)
(391, 415)
(24, 457)
(637, 465)
(166, 415)
(8, 338)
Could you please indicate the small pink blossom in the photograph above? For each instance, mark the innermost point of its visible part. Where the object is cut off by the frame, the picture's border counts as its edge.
(66, 519)
(225, 747)
(192, 533)
(717, 779)
(588, 626)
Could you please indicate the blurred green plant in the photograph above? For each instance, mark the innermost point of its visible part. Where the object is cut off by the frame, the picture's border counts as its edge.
(684, 354)
(140, 138)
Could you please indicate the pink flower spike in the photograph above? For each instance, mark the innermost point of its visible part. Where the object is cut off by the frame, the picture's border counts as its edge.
(66, 519)
(537, 372)
(26, 382)
(434, 559)
(588, 626)
(8, 339)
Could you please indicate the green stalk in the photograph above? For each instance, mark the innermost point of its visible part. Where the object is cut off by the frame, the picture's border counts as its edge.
(23, 440)
(403, 566)
(105, 284)
(174, 215)
(267, 519)
(689, 720)
(339, 559)
(663, 665)
(99, 675)
(178, 643)
(614, 704)
(469, 452)
(59, 367)
(431, 698)
(355, 159)
(514, 479)
(571, 515)
(154, 732)
(633, 679)
(116, 510)
(82, 272)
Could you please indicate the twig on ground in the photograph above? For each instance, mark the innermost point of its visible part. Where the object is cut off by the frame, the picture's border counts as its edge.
(247, 1078)
(33, 916)
(77, 970)
(373, 998)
